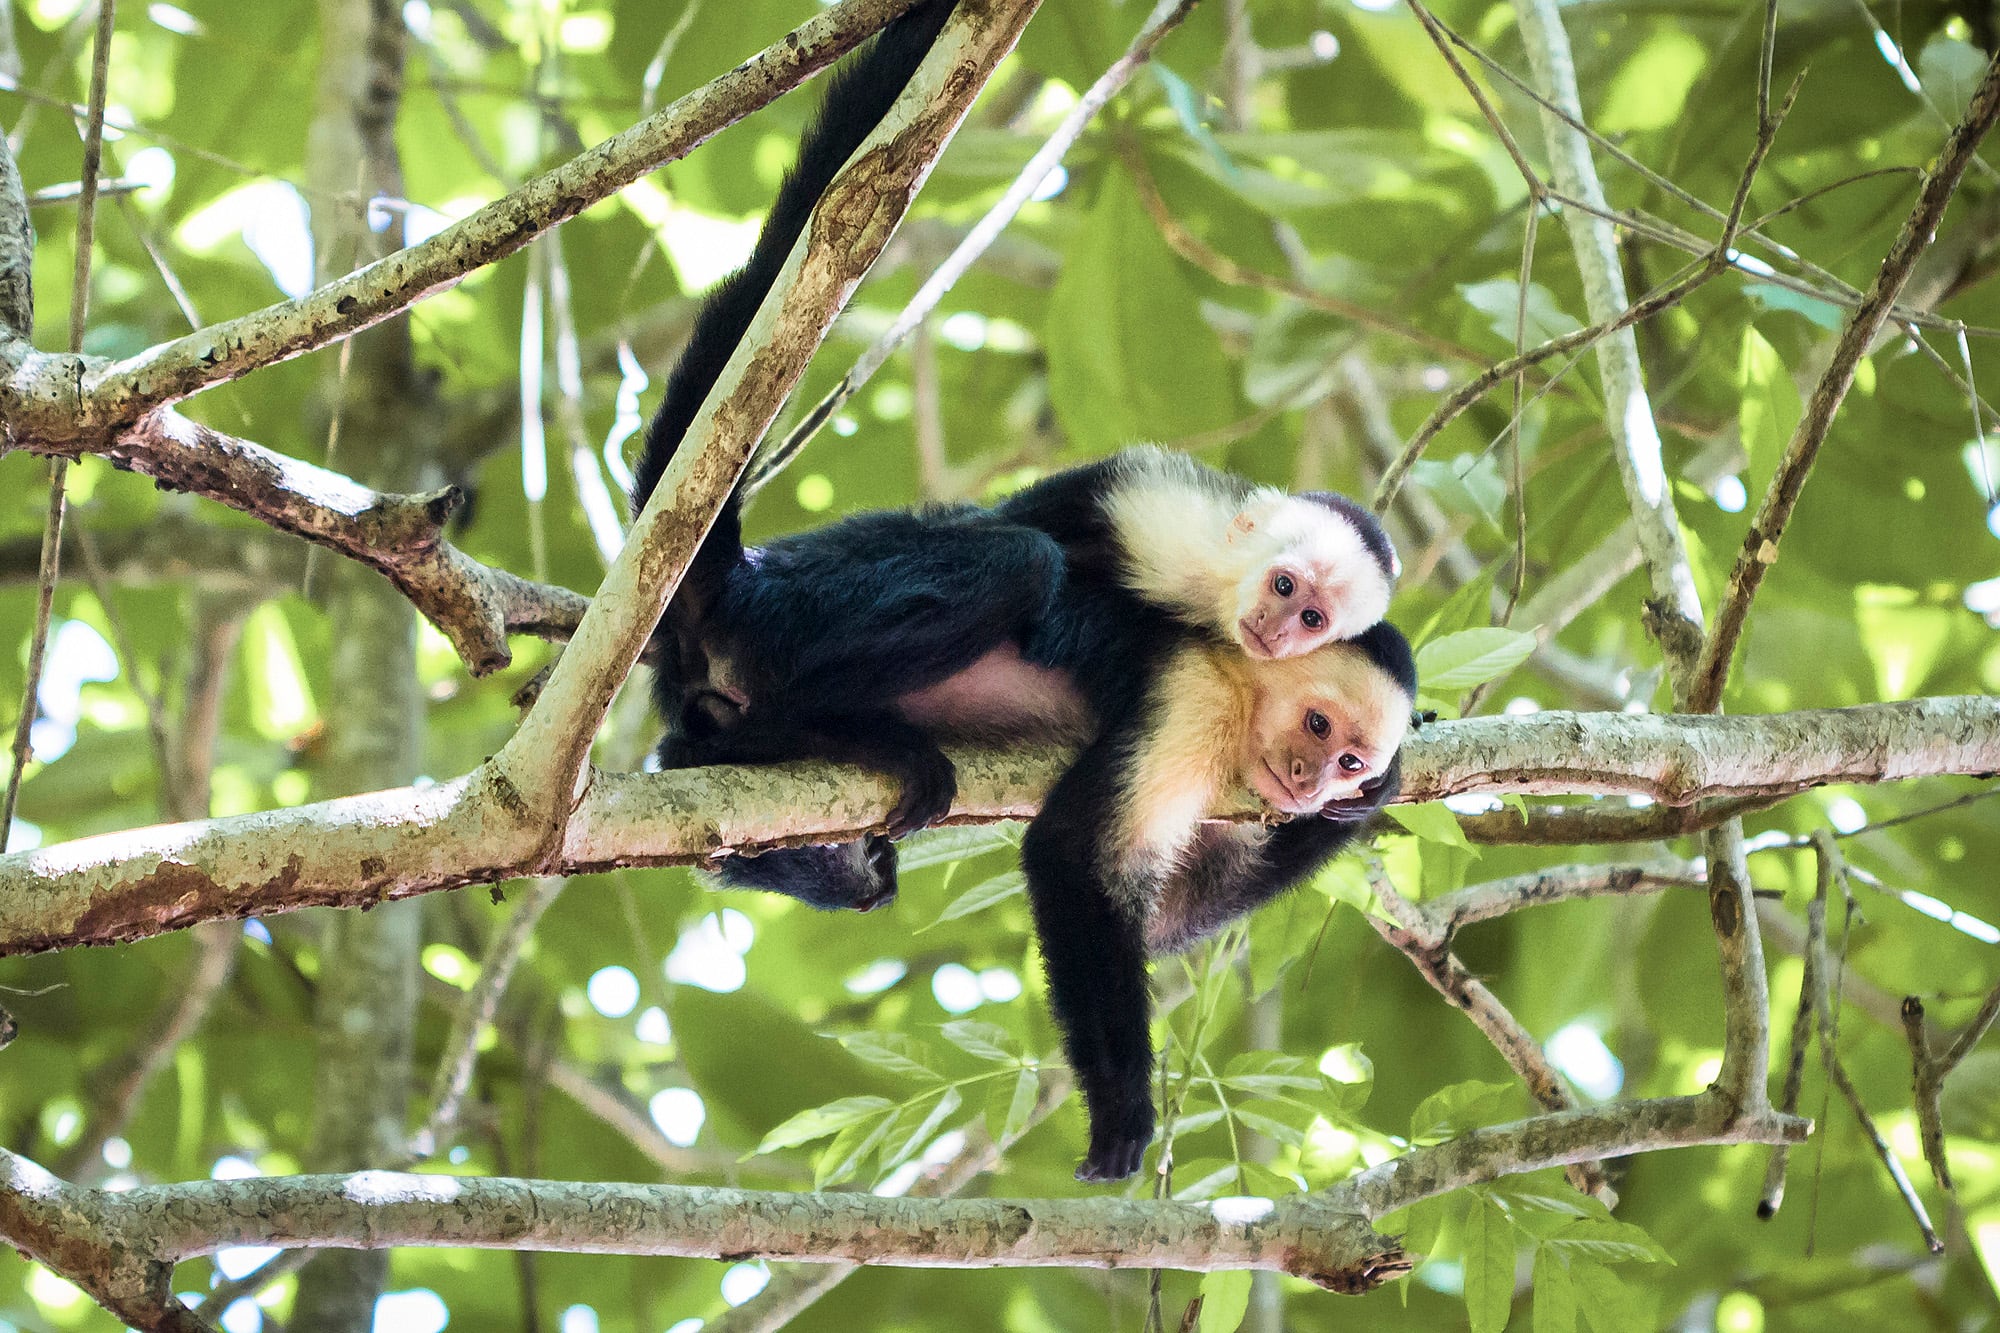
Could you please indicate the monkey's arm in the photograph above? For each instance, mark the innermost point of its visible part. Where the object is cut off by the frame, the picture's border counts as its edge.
(1094, 950)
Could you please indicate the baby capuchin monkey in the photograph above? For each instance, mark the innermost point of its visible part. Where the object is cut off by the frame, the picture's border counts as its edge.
(1278, 574)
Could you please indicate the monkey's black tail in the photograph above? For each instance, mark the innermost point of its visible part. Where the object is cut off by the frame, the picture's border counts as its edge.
(859, 95)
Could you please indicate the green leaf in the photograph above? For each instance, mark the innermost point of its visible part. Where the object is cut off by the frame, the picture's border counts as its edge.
(1471, 657)
(1431, 821)
(1276, 1130)
(1027, 1088)
(819, 1121)
(981, 896)
(1461, 1106)
(1269, 1073)
(1545, 1193)
(900, 1145)
(1225, 1299)
(957, 842)
(1188, 106)
(1471, 605)
(1950, 70)
(1610, 1304)
(1818, 310)
(982, 1040)
(1607, 1242)
(849, 1149)
(1488, 1240)
(1555, 1294)
(1768, 409)
(893, 1051)
(1499, 300)
(1466, 485)
(1130, 355)
(1419, 1224)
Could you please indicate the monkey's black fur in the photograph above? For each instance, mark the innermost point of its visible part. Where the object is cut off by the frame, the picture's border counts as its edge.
(801, 649)
(813, 637)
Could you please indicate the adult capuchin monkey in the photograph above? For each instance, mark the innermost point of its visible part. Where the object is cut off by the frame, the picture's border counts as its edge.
(1063, 615)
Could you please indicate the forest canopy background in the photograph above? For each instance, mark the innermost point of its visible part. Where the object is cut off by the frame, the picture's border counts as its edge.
(1279, 246)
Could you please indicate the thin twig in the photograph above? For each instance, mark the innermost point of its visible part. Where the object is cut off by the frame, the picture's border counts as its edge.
(1760, 543)
(474, 1016)
(1428, 948)
(1826, 1005)
(1803, 1025)
(1926, 1085)
(1166, 15)
(79, 310)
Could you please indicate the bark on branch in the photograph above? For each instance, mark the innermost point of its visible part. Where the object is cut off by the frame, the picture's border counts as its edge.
(363, 849)
(1327, 1238)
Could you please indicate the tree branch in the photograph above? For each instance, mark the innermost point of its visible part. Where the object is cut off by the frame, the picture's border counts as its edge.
(360, 850)
(371, 1210)
(1628, 412)
(400, 536)
(17, 259)
(58, 401)
(1760, 543)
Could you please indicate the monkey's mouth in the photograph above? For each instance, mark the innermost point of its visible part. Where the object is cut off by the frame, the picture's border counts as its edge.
(1254, 644)
(1279, 793)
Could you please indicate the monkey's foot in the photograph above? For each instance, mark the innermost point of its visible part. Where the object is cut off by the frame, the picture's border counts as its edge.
(929, 784)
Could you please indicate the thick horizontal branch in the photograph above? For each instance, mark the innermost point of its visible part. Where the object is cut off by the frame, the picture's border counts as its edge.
(360, 850)
(104, 1239)
(1301, 1235)
(1678, 759)
(60, 400)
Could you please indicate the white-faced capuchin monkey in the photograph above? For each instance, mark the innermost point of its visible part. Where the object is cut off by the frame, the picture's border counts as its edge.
(1156, 611)
(1278, 574)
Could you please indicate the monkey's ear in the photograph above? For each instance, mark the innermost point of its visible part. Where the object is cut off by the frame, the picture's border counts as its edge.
(1256, 511)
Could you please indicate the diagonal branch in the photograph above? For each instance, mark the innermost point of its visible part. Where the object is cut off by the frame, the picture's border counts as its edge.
(49, 400)
(1760, 543)
(1628, 416)
(1166, 16)
(544, 765)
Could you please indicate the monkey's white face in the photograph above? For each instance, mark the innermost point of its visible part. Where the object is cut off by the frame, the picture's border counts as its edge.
(1321, 728)
(1310, 581)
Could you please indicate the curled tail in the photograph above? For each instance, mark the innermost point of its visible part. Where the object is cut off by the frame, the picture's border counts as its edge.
(859, 95)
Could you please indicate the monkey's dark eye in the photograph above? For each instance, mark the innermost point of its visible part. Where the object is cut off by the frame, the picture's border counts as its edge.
(1311, 619)
(1352, 763)
(1283, 585)
(1317, 724)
